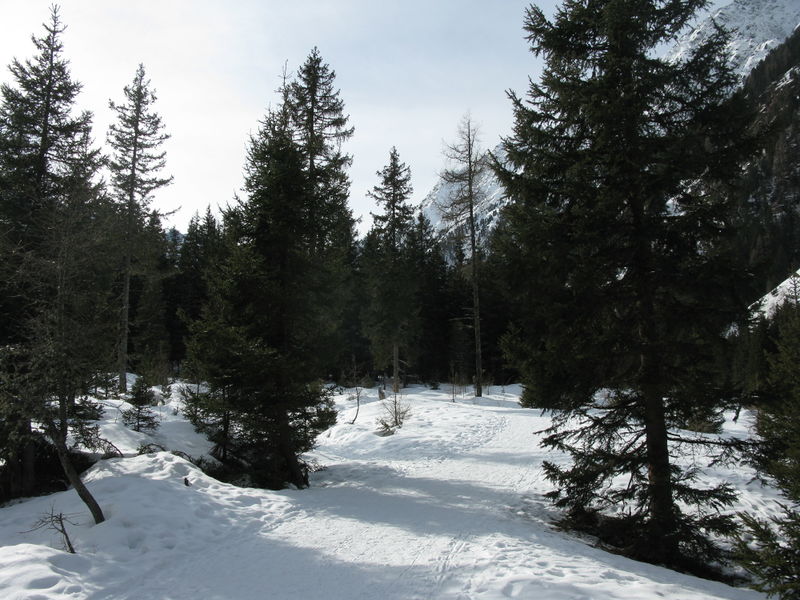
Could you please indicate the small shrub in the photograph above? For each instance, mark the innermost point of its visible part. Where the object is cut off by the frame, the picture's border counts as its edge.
(395, 413)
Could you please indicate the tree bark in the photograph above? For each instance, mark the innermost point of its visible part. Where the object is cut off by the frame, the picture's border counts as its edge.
(59, 440)
(396, 368)
(476, 305)
(122, 356)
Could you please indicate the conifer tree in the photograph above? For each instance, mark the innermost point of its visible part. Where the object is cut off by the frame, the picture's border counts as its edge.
(256, 343)
(771, 550)
(434, 304)
(391, 314)
(621, 228)
(136, 140)
(57, 218)
(321, 128)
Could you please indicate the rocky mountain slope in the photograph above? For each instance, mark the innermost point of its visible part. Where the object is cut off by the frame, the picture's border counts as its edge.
(756, 26)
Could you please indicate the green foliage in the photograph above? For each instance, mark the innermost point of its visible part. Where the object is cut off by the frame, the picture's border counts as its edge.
(619, 237)
(259, 343)
(141, 417)
(771, 552)
(390, 315)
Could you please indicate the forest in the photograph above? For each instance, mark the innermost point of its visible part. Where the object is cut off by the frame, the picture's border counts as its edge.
(649, 205)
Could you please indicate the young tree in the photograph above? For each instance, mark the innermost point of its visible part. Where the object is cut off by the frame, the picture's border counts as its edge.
(136, 140)
(140, 417)
(621, 228)
(391, 315)
(468, 165)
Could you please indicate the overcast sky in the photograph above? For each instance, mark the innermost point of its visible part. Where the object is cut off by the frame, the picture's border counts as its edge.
(407, 71)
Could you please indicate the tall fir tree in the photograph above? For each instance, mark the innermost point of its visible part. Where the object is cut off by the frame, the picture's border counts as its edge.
(391, 314)
(56, 218)
(136, 140)
(321, 127)
(621, 228)
(257, 343)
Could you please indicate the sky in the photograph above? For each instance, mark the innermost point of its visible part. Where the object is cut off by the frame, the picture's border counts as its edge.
(407, 73)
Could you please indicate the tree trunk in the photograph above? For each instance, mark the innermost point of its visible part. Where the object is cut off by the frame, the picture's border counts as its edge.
(122, 356)
(295, 472)
(396, 368)
(662, 514)
(476, 305)
(59, 439)
(28, 462)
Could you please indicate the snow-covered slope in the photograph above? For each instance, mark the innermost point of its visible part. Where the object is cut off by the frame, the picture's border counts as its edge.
(491, 199)
(757, 26)
(449, 507)
(788, 290)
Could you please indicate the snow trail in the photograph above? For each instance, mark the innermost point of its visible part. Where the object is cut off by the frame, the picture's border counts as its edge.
(449, 507)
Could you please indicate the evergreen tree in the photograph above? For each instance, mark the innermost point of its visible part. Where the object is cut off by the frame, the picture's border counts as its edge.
(321, 127)
(58, 219)
(136, 140)
(772, 552)
(621, 227)
(140, 417)
(257, 343)
(468, 165)
(432, 301)
(390, 311)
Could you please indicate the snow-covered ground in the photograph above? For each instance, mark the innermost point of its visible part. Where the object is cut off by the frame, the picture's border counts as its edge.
(450, 506)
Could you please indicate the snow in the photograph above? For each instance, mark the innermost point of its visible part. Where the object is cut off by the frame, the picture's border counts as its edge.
(787, 291)
(757, 26)
(449, 506)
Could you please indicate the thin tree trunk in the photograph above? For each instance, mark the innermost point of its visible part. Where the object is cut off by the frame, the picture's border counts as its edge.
(476, 305)
(122, 356)
(396, 368)
(59, 440)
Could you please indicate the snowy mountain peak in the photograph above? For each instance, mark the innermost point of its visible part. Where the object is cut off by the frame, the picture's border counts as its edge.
(756, 26)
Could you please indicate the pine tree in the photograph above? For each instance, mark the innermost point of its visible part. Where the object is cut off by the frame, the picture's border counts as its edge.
(390, 311)
(140, 417)
(321, 128)
(434, 304)
(769, 550)
(136, 140)
(468, 165)
(621, 227)
(257, 342)
(56, 219)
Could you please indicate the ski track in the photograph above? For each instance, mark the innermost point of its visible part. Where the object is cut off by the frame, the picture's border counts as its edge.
(449, 507)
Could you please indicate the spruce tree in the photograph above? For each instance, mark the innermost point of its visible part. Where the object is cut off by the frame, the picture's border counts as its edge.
(321, 128)
(390, 311)
(771, 550)
(257, 342)
(136, 139)
(58, 220)
(621, 226)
